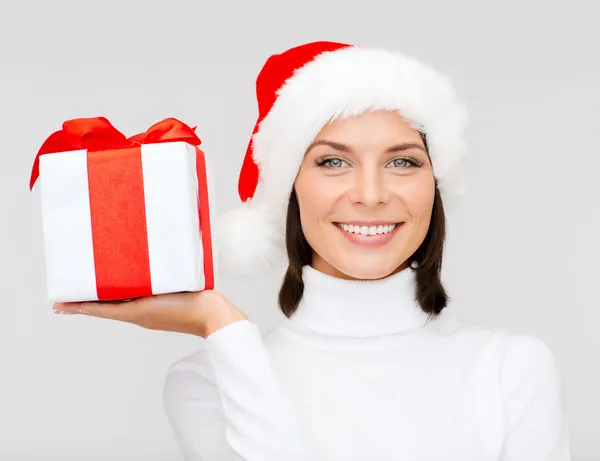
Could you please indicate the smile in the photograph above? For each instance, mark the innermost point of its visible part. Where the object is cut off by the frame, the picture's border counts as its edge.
(369, 234)
(367, 230)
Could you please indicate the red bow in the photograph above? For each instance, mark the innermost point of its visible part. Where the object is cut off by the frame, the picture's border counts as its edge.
(97, 133)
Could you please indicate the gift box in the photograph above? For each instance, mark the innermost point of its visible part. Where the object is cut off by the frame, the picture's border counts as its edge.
(124, 217)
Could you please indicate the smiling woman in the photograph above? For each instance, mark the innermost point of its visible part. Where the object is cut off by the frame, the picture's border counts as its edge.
(357, 152)
(377, 211)
(382, 175)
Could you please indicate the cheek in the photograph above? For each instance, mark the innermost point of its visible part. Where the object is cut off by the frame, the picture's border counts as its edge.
(316, 199)
(418, 196)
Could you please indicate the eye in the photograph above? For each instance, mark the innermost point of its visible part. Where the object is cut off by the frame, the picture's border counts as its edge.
(405, 162)
(331, 162)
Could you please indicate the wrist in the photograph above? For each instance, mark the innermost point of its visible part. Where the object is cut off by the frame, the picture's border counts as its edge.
(221, 320)
(223, 313)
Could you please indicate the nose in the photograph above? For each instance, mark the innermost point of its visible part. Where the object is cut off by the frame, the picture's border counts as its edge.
(369, 187)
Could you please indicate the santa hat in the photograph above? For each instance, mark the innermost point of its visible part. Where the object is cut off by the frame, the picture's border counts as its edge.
(302, 89)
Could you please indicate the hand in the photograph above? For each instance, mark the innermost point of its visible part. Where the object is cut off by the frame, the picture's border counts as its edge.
(198, 313)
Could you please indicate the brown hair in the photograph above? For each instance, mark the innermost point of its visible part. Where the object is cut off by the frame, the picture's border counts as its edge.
(430, 293)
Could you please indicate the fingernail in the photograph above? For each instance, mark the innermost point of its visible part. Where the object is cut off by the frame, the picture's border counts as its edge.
(61, 311)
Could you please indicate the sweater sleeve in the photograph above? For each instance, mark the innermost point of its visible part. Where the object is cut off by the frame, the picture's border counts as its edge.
(532, 392)
(227, 403)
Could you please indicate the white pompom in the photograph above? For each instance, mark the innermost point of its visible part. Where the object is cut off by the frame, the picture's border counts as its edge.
(248, 240)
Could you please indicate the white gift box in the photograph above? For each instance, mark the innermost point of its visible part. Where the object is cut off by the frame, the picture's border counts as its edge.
(125, 223)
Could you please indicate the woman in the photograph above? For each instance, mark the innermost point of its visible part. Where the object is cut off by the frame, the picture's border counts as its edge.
(358, 151)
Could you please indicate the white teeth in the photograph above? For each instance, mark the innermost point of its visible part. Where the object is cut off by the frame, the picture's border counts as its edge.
(367, 230)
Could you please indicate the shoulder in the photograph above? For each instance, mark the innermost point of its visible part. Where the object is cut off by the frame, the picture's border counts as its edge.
(516, 354)
(504, 341)
(527, 362)
(188, 378)
(452, 329)
(524, 363)
(526, 350)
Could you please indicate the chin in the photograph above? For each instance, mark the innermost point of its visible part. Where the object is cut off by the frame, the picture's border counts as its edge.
(354, 262)
(368, 271)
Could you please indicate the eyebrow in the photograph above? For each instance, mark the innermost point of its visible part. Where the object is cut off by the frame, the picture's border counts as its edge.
(344, 148)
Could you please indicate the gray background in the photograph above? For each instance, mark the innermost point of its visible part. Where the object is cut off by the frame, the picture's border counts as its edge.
(522, 251)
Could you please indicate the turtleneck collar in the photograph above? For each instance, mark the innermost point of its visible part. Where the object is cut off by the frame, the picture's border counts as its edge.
(358, 308)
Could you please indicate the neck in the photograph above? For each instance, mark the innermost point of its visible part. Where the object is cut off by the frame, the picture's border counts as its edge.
(358, 308)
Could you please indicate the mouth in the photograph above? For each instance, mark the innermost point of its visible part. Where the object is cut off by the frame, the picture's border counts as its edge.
(367, 228)
(369, 233)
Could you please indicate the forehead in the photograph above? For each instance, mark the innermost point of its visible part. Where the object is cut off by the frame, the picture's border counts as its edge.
(374, 127)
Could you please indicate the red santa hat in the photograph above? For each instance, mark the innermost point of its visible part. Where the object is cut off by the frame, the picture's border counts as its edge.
(302, 89)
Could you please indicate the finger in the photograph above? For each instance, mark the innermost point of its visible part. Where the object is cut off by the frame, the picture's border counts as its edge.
(123, 311)
(66, 308)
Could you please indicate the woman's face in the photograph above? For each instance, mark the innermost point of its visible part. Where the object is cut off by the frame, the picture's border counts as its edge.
(365, 191)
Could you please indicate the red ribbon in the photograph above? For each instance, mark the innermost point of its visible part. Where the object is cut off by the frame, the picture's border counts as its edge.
(97, 133)
(118, 219)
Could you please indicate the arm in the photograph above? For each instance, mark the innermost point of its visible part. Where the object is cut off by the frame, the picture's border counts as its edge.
(227, 405)
(533, 401)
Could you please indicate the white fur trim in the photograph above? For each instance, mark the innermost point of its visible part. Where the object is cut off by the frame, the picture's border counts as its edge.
(250, 239)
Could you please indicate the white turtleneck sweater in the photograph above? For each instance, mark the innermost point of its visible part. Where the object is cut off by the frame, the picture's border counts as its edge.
(357, 374)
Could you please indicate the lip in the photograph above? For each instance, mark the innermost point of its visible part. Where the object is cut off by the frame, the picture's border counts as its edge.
(370, 240)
